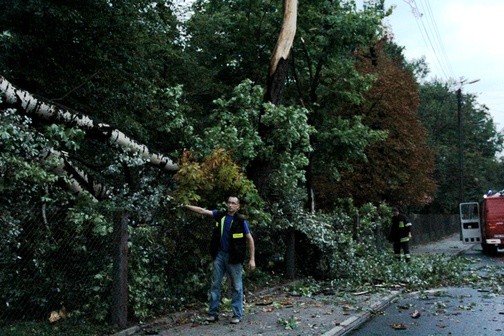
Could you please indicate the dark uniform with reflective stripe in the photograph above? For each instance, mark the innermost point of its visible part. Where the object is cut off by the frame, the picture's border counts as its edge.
(400, 235)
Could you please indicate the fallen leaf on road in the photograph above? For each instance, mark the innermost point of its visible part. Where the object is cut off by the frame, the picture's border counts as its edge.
(268, 309)
(264, 302)
(398, 326)
(347, 307)
(287, 302)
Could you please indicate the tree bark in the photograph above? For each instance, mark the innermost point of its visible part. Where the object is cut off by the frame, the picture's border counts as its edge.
(36, 107)
(259, 170)
(290, 254)
(76, 180)
(119, 313)
(277, 74)
(309, 185)
(279, 60)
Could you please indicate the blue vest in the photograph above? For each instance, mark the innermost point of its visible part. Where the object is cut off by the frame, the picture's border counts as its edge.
(237, 242)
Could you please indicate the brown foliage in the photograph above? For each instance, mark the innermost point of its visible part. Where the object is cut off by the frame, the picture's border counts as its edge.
(400, 169)
(213, 179)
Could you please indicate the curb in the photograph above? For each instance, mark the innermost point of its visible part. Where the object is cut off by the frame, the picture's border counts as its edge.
(353, 322)
(128, 332)
(344, 327)
(134, 330)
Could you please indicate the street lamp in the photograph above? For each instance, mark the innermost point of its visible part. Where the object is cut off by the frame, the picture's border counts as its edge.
(461, 137)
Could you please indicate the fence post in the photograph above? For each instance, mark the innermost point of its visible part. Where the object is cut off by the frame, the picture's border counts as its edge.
(356, 228)
(290, 253)
(119, 313)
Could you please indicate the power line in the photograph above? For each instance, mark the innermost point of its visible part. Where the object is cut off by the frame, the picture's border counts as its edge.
(438, 37)
(426, 30)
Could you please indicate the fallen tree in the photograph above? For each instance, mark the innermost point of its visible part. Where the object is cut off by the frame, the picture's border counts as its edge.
(34, 107)
(76, 180)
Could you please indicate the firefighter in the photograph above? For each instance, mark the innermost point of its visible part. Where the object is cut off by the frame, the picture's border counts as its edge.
(400, 235)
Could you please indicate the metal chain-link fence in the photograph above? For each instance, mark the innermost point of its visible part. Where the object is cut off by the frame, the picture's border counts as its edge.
(96, 264)
(429, 228)
(51, 262)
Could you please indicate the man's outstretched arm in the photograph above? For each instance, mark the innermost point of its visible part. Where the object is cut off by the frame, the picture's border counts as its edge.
(199, 210)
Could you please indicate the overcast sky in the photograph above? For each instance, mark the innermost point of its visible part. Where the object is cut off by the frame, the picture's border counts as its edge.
(461, 39)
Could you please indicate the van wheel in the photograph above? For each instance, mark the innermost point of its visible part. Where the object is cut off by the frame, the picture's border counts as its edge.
(489, 249)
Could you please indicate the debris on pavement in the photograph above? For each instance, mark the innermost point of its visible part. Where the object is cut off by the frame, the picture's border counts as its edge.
(398, 326)
(415, 314)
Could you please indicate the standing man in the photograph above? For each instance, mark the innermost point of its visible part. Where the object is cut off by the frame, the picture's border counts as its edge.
(400, 234)
(230, 236)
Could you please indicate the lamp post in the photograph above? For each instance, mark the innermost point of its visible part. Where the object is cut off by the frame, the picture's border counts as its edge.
(461, 137)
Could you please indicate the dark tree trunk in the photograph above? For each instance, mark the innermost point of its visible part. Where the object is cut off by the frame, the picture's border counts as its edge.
(290, 255)
(260, 170)
(119, 313)
(309, 186)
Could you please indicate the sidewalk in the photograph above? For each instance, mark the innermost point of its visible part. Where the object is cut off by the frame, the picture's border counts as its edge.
(274, 312)
(448, 245)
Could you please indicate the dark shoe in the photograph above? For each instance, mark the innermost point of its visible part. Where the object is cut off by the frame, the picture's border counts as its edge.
(235, 320)
(212, 318)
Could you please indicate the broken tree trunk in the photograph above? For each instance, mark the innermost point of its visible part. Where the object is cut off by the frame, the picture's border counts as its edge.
(278, 65)
(38, 108)
(76, 180)
(277, 75)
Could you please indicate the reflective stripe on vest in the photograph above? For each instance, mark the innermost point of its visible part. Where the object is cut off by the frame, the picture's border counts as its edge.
(237, 235)
(222, 226)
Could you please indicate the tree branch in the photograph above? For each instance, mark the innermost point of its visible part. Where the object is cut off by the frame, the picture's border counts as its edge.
(37, 107)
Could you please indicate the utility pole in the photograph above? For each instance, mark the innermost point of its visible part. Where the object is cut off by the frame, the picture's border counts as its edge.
(460, 141)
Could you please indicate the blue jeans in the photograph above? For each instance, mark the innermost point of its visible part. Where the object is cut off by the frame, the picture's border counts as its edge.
(234, 271)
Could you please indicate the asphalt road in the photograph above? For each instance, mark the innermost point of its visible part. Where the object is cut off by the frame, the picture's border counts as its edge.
(477, 310)
(446, 311)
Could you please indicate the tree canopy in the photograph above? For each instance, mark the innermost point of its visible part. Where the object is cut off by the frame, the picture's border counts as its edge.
(480, 147)
(353, 132)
